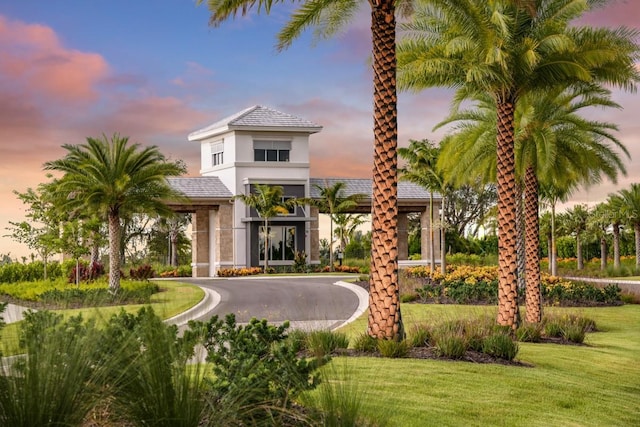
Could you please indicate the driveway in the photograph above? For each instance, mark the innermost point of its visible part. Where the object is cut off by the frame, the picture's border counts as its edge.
(307, 302)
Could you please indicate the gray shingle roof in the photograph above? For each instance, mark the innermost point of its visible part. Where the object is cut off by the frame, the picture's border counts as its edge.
(257, 118)
(406, 190)
(201, 187)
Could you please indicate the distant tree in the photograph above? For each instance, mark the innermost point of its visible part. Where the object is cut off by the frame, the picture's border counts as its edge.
(41, 232)
(630, 207)
(334, 201)
(576, 223)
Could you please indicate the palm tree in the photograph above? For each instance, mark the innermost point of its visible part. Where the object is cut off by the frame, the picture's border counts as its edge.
(617, 217)
(508, 49)
(115, 178)
(598, 224)
(577, 224)
(333, 201)
(551, 141)
(421, 169)
(346, 225)
(328, 17)
(631, 210)
(269, 202)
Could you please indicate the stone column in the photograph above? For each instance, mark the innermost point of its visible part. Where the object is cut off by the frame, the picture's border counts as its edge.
(314, 236)
(200, 243)
(403, 236)
(224, 229)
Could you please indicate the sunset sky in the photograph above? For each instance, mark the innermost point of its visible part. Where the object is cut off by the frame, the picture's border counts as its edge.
(155, 71)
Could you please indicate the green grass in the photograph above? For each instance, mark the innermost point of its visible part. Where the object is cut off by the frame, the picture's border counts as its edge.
(173, 298)
(593, 385)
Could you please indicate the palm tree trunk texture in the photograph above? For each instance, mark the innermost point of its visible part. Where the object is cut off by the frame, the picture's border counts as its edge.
(432, 243)
(266, 245)
(520, 248)
(385, 320)
(616, 246)
(533, 295)
(553, 252)
(331, 266)
(114, 252)
(443, 239)
(636, 230)
(579, 252)
(507, 235)
(603, 252)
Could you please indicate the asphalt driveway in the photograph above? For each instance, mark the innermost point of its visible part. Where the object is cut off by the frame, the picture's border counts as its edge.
(307, 302)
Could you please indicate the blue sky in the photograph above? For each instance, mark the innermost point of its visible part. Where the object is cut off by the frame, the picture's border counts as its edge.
(155, 71)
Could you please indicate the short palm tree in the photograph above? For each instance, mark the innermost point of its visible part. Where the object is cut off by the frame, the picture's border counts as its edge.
(114, 178)
(269, 202)
(334, 201)
(346, 226)
(576, 223)
(598, 226)
(617, 216)
(631, 210)
(422, 169)
(508, 49)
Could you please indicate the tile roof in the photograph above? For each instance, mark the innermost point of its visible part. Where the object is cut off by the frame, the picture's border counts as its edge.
(257, 117)
(406, 190)
(201, 187)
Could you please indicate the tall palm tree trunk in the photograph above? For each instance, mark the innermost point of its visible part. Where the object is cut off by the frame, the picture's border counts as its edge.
(385, 320)
(603, 252)
(114, 252)
(553, 252)
(331, 266)
(521, 246)
(533, 296)
(579, 252)
(507, 235)
(443, 240)
(266, 245)
(616, 246)
(432, 236)
(636, 230)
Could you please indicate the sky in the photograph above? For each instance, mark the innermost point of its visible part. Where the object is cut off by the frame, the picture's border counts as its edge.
(155, 71)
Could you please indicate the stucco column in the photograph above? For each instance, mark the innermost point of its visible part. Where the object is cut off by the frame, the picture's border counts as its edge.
(425, 236)
(314, 236)
(403, 236)
(200, 243)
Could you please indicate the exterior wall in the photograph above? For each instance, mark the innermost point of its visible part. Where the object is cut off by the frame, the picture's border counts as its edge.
(313, 242)
(225, 238)
(425, 235)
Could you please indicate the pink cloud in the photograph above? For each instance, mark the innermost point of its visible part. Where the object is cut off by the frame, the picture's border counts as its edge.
(614, 14)
(34, 59)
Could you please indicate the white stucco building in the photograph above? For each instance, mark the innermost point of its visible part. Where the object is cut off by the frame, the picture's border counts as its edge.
(260, 145)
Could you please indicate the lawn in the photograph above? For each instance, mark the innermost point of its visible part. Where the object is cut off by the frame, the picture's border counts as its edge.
(173, 298)
(597, 384)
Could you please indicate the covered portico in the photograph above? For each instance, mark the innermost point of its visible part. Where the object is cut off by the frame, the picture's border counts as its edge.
(213, 227)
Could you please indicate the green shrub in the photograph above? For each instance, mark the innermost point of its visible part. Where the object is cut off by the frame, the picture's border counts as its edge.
(322, 343)
(450, 345)
(255, 357)
(529, 333)
(553, 329)
(574, 333)
(365, 342)
(420, 336)
(501, 346)
(393, 349)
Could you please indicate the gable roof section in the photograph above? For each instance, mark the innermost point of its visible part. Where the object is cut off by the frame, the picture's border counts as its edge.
(257, 118)
(406, 190)
(200, 187)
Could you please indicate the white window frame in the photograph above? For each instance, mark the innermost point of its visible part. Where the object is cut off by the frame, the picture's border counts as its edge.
(217, 152)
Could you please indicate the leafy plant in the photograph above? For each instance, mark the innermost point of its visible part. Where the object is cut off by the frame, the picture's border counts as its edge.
(321, 343)
(500, 345)
(365, 342)
(393, 349)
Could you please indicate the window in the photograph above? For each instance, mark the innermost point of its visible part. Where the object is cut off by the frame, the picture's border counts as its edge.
(271, 151)
(217, 153)
(292, 209)
(282, 243)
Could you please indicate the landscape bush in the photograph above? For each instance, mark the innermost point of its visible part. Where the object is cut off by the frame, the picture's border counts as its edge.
(479, 285)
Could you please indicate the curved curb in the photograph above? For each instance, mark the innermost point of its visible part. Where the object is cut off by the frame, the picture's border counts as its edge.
(363, 302)
(209, 302)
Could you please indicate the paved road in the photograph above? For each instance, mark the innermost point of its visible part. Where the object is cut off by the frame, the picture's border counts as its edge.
(307, 302)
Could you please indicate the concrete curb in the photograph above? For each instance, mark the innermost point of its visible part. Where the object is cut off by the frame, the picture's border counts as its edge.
(363, 301)
(209, 302)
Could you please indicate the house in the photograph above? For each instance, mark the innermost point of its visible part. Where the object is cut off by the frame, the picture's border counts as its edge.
(260, 145)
